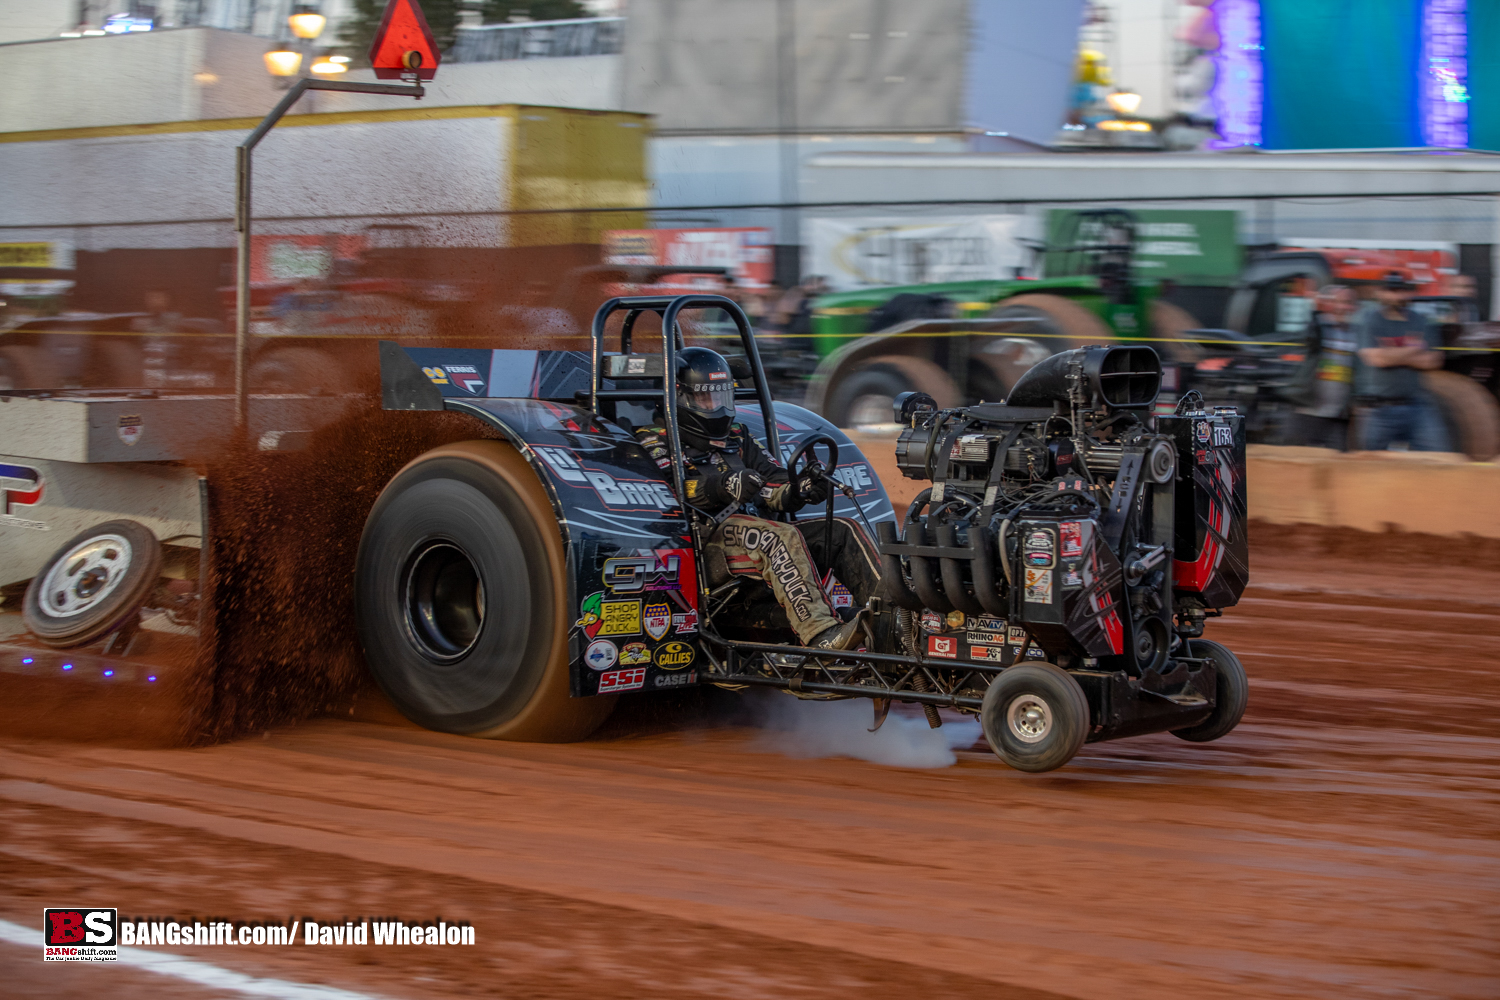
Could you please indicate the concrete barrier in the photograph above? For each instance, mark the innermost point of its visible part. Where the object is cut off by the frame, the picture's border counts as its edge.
(1422, 492)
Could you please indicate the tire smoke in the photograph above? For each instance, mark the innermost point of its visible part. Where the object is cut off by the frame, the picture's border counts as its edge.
(841, 729)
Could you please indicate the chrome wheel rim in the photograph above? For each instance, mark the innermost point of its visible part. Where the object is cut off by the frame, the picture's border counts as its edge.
(85, 577)
(1029, 718)
(444, 601)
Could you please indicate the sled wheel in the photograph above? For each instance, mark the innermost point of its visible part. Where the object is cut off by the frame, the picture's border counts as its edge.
(293, 369)
(460, 599)
(93, 584)
(1035, 716)
(1232, 692)
(26, 366)
(866, 395)
(1471, 413)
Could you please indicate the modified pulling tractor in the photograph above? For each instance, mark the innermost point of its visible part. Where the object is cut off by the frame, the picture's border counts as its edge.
(1054, 580)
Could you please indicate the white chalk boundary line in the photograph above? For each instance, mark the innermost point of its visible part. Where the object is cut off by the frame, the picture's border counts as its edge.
(193, 970)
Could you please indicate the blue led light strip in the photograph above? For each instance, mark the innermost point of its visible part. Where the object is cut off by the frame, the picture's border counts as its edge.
(1443, 87)
(1238, 94)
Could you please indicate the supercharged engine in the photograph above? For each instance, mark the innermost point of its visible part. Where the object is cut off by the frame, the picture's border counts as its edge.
(1071, 522)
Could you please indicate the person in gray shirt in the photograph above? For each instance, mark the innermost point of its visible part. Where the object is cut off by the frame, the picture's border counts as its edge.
(1395, 346)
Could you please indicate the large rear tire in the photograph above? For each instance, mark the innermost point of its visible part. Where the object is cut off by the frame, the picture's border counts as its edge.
(1058, 323)
(1035, 716)
(460, 591)
(1232, 694)
(1471, 413)
(1168, 323)
(866, 395)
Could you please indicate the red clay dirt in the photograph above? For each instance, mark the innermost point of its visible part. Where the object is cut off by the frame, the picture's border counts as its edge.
(1344, 841)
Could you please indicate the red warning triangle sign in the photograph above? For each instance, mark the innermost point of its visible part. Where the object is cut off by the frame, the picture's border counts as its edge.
(403, 31)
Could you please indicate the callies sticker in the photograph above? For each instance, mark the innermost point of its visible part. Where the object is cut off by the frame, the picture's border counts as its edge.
(674, 655)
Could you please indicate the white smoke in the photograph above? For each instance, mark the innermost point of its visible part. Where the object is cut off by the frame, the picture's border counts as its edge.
(841, 729)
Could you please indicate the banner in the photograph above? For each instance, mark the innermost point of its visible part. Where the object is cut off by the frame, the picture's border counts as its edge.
(869, 252)
(746, 252)
(1188, 246)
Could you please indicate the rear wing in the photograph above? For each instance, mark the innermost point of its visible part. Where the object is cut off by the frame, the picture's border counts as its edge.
(423, 378)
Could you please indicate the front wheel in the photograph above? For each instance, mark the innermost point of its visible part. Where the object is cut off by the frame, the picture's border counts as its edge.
(1035, 716)
(460, 591)
(1232, 693)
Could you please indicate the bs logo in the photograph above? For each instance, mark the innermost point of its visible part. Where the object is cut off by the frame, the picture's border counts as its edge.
(79, 926)
(674, 655)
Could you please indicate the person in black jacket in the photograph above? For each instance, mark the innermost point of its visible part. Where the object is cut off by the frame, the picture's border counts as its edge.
(724, 468)
(1323, 386)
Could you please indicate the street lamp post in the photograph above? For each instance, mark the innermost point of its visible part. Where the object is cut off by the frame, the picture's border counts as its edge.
(242, 215)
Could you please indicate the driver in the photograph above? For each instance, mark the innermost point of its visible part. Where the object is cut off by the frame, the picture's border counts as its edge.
(724, 468)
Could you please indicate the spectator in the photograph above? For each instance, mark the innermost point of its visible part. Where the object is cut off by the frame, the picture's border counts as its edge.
(160, 316)
(1395, 347)
(1324, 384)
(793, 314)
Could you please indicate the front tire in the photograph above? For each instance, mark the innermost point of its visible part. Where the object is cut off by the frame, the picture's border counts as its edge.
(1035, 716)
(460, 591)
(1232, 693)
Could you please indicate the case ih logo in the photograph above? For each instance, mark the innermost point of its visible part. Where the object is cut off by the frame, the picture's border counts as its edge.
(79, 934)
(21, 484)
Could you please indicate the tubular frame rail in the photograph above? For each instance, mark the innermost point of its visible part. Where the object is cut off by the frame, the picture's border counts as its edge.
(846, 674)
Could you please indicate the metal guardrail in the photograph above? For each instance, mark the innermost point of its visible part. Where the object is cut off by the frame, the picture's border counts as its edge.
(594, 36)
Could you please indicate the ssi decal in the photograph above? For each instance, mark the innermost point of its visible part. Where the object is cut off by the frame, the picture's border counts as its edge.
(622, 680)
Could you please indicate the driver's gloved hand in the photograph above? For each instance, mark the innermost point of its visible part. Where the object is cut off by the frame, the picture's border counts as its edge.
(810, 484)
(734, 488)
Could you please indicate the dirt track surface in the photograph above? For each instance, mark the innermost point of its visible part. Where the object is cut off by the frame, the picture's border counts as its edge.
(1344, 842)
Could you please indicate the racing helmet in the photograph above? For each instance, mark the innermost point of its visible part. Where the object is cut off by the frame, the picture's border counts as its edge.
(705, 395)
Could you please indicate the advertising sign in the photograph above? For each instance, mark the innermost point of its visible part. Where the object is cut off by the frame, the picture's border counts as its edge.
(1189, 247)
(870, 252)
(745, 251)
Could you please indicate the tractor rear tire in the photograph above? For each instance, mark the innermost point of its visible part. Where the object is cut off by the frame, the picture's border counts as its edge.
(1035, 716)
(1471, 413)
(866, 394)
(1232, 693)
(96, 582)
(461, 599)
(1061, 323)
(1168, 324)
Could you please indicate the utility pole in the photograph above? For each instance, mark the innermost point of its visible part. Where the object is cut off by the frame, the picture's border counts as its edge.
(789, 224)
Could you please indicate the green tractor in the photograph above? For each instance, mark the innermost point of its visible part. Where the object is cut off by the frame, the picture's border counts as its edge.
(968, 341)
